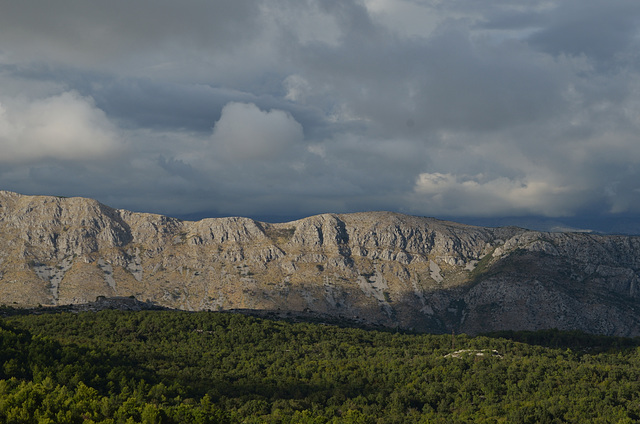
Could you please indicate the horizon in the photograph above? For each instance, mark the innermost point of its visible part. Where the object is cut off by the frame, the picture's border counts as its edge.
(629, 227)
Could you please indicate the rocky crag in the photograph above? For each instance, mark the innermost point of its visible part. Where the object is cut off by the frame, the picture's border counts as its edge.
(376, 268)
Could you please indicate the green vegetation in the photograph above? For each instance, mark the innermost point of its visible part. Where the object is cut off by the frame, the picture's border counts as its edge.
(207, 367)
(482, 266)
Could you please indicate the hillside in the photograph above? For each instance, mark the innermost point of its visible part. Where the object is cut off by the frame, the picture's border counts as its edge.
(376, 268)
(176, 367)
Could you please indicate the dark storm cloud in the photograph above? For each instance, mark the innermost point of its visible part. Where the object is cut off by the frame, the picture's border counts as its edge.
(587, 28)
(150, 104)
(456, 108)
(116, 34)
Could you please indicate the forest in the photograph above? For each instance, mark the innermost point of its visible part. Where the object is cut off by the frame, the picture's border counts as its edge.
(212, 367)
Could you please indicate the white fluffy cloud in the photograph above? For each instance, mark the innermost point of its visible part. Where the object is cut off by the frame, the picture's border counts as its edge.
(66, 126)
(450, 194)
(246, 132)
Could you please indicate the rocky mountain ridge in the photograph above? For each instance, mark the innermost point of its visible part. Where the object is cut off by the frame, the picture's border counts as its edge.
(378, 268)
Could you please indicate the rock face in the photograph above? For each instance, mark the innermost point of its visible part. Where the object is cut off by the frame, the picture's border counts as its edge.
(377, 268)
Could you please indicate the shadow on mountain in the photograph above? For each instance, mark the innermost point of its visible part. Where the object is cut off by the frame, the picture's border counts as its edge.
(575, 340)
(101, 303)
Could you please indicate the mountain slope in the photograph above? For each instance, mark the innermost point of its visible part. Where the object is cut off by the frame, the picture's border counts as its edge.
(378, 268)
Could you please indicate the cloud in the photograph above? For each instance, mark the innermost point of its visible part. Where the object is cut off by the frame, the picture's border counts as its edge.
(152, 36)
(246, 132)
(66, 126)
(457, 107)
(463, 195)
(569, 29)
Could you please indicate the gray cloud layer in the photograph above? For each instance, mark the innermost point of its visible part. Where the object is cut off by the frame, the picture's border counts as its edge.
(287, 108)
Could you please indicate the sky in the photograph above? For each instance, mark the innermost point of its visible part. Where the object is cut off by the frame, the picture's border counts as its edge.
(500, 111)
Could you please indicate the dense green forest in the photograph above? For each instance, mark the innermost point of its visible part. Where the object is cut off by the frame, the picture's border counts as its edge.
(207, 367)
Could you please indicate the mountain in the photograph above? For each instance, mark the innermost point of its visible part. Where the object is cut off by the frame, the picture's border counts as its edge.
(376, 268)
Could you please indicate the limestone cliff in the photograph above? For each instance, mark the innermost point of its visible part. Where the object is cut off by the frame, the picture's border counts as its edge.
(378, 268)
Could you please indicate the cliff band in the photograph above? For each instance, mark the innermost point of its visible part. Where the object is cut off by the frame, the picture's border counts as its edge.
(376, 268)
